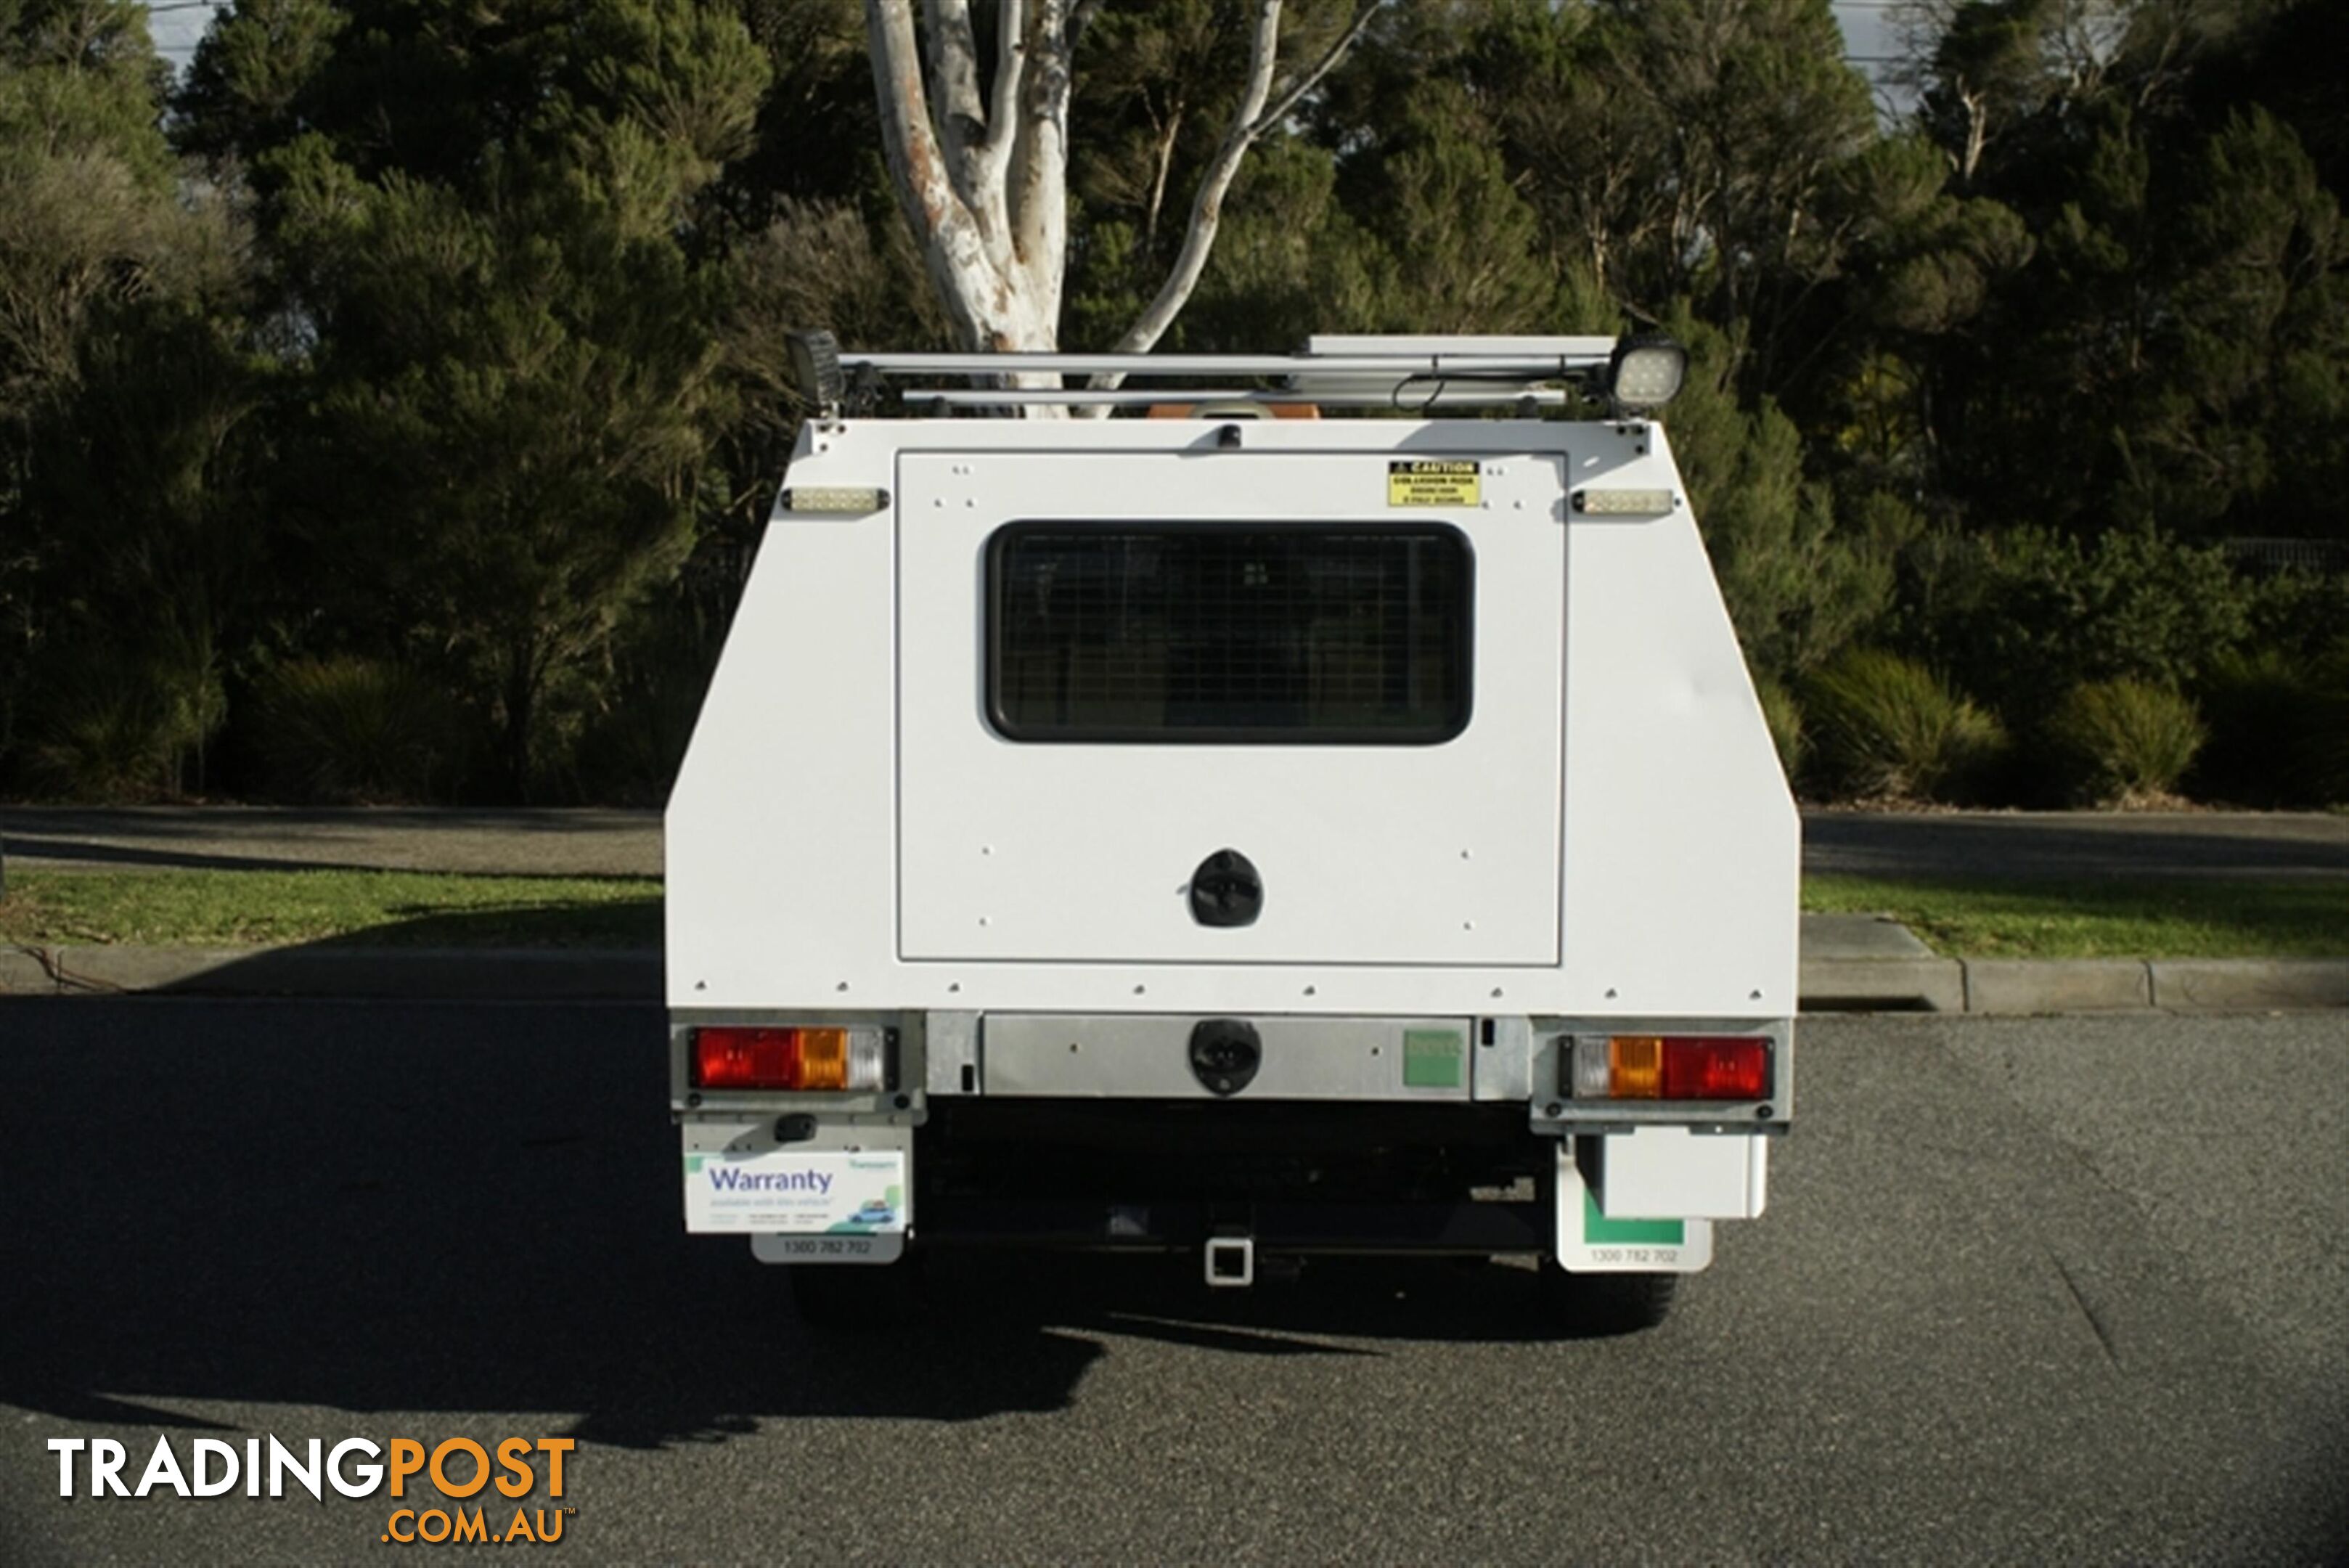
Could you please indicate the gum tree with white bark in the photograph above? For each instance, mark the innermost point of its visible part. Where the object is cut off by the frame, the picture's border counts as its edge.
(979, 155)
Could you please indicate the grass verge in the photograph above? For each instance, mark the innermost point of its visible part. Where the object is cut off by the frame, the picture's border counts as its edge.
(2122, 918)
(2133, 917)
(371, 909)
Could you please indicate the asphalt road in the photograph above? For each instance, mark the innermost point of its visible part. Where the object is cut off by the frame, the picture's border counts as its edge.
(2029, 1290)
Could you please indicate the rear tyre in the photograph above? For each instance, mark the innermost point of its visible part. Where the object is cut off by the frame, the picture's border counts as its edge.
(855, 1298)
(1602, 1306)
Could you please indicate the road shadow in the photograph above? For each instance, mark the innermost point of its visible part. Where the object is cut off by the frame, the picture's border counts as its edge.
(2103, 847)
(624, 925)
(596, 842)
(45, 852)
(476, 1208)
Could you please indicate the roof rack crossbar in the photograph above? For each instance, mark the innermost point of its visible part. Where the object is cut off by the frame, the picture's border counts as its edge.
(1411, 396)
(1492, 367)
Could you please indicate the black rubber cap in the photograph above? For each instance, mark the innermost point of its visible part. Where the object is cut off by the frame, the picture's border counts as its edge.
(1225, 890)
(1224, 1055)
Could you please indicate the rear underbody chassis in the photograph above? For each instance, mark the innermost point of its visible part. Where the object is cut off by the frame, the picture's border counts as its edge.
(1157, 1174)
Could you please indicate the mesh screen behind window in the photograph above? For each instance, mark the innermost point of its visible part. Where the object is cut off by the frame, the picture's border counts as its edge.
(1167, 632)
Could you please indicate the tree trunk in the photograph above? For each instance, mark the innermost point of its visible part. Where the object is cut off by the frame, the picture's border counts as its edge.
(981, 169)
(983, 186)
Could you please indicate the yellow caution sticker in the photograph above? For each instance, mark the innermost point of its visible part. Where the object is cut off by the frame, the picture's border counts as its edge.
(1432, 482)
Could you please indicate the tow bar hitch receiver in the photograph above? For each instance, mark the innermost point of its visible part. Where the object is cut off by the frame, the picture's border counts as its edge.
(1231, 1262)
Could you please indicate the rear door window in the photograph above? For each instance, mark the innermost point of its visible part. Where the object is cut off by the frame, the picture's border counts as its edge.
(1229, 633)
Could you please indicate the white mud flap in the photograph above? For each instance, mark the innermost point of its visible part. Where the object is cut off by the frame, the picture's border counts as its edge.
(843, 1197)
(1590, 1242)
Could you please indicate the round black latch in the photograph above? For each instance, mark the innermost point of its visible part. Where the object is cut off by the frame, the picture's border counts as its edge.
(1225, 1053)
(1225, 890)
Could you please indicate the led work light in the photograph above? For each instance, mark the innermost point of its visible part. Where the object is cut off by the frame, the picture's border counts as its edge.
(1646, 373)
(816, 372)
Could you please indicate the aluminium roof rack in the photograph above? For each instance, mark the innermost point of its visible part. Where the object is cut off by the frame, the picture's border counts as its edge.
(1410, 373)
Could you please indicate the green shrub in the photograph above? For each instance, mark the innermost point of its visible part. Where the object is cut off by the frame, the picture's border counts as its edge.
(1784, 717)
(1885, 727)
(1801, 581)
(2022, 618)
(2300, 612)
(628, 753)
(2123, 742)
(2279, 730)
(2327, 721)
(639, 713)
(106, 728)
(354, 729)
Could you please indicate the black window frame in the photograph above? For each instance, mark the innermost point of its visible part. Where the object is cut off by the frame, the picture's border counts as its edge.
(1463, 641)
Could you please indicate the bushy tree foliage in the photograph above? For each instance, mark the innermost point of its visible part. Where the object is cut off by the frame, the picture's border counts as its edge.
(440, 346)
(2179, 326)
(124, 394)
(1800, 584)
(510, 362)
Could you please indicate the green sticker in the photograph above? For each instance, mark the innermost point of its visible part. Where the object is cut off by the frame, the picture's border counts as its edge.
(1432, 1058)
(1597, 1230)
(693, 1163)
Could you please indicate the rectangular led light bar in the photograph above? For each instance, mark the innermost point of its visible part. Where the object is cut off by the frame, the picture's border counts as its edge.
(1622, 502)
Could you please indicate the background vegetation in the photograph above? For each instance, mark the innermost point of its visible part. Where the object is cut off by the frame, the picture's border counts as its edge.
(388, 406)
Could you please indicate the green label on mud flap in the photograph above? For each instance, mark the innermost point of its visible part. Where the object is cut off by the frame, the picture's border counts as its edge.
(1433, 1058)
(1598, 1230)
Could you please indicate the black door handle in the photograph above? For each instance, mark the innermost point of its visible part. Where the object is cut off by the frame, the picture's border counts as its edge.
(1225, 890)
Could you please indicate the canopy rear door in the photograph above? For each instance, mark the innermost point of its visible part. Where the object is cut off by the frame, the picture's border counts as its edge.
(1113, 669)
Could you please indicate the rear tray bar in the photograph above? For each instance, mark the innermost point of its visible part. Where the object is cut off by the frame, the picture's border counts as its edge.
(1469, 1229)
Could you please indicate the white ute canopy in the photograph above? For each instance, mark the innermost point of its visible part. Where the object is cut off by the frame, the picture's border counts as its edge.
(1458, 694)
(1235, 827)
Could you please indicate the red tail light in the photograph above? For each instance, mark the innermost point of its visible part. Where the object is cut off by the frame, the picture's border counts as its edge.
(743, 1057)
(1710, 1067)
